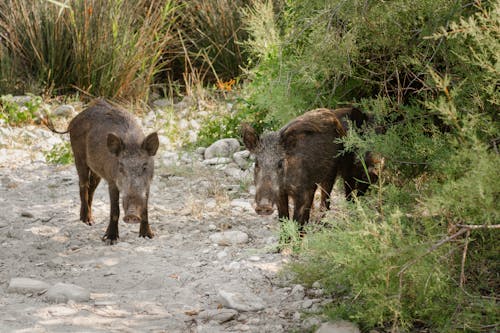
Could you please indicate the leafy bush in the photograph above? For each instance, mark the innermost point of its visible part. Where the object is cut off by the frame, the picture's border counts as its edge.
(15, 113)
(60, 154)
(419, 253)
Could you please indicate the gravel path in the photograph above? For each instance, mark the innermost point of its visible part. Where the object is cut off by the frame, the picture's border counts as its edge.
(212, 266)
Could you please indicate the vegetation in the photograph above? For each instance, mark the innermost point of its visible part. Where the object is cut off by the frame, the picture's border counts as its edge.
(60, 154)
(420, 252)
(19, 113)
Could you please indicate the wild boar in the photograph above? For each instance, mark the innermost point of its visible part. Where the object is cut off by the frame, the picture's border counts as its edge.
(291, 162)
(108, 143)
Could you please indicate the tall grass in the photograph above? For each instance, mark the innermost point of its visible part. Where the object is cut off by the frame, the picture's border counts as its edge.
(103, 48)
(212, 32)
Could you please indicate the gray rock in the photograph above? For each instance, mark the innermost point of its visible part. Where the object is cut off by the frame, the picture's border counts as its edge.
(241, 302)
(64, 110)
(211, 327)
(341, 326)
(62, 292)
(200, 150)
(297, 293)
(242, 203)
(229, 237)
(222, 148)
(26, 285)
(220, 315)
(234, 171)
(217, 160)
(307, 304)
(242, 159)
(316, 285)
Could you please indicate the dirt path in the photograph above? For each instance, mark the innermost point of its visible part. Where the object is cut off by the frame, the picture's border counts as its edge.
(179, 281)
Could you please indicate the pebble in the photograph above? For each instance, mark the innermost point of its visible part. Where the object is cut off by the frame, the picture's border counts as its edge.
(341, 326)
(241, 158)
(222, 148)
(229, 237)
(26, 286)
(297, 293)
(62, 292)
(217, 161)
(219, 315)
(241, 302)
(65, 110)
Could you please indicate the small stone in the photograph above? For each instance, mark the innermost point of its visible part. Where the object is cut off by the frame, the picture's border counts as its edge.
(221, 255)
(254, 258)
(216, 161)
(241, 302)
(242, 159)
(62, 292)
(222, 148)
(242, 203)
(212, 227)
(65, 110)
(27, 214)
(340, 326)
(297, 293)
(26, 285)
(162, 103)
(220, 315)
(229, 237)
(316, 285)
(233, 171)
(200, 150)
(242, 327)
(296, 316)
(233, 266)
(307, 304)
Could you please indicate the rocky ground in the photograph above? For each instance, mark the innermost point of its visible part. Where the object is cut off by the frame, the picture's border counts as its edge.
(212, 266)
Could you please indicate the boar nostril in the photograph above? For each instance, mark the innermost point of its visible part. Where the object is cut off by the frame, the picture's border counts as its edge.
(132, 219)
(264, 210)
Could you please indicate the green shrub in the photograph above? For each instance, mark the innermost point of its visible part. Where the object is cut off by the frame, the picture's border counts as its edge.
(421, 252)
(15, 113)
(60, 154)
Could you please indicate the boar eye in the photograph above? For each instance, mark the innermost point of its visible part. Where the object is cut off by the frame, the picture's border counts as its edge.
(144, 167)
(256, 163)
(280, 164)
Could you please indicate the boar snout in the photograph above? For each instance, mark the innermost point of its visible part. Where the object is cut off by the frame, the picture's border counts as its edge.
(132, 218)
(264, 207)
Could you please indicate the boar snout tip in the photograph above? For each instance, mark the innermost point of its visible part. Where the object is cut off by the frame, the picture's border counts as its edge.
(131, 218)
(264, 210)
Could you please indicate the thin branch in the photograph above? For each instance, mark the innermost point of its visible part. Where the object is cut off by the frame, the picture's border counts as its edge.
(479, 226)
(464, 255)
(431, 249)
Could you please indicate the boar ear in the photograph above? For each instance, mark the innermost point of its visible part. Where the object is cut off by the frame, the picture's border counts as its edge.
(151, 143)
(339, 128)
(250, 137)
(115, 144)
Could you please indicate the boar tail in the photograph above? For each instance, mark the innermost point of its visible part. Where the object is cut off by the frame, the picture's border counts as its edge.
(48, 123)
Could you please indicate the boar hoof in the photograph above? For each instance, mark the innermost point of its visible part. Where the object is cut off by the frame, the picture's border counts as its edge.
(88, 222)
(146, 232)
(111, 239)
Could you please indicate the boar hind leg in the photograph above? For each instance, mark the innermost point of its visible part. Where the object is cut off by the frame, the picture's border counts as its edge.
(83, 179)
(112, 231)
(94, 180)
(302, 209)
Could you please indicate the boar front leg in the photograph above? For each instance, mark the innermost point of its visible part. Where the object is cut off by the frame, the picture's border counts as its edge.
(283, 209)
(145, 230)
(114, 198)
(302, 209)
